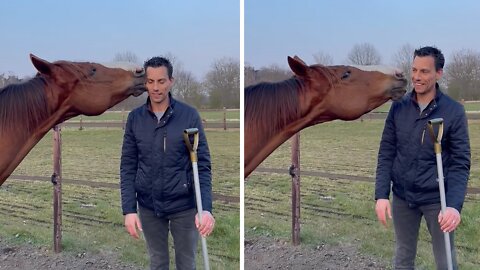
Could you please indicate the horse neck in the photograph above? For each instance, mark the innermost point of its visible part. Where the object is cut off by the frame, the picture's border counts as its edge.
(256, 153)
(272, 119)
(16, 143)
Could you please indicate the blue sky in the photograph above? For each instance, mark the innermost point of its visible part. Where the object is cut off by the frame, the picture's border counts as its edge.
(196, 32)
(275, 29)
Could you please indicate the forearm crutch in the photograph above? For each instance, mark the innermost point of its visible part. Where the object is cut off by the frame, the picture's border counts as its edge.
(198, 196)
(438, 153)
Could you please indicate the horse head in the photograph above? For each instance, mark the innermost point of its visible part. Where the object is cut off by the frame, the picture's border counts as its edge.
(61, 90)
(316, 94)
(88, 88)
(345, 92)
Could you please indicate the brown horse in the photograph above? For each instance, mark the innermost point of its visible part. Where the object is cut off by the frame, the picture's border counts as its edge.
(60, 90)
(316, 94)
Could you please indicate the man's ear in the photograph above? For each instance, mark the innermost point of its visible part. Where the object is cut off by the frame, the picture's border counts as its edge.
(298, 66)
(439, 74)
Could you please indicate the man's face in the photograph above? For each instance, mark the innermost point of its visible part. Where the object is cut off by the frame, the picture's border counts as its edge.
(158, 84)
(424, 75)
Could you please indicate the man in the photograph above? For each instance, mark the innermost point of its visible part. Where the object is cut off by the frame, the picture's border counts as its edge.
(156, 173)
(407, 163)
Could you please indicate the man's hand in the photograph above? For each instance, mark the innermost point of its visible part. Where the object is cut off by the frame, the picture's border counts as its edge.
(208, 223)
(132, 222)
(382, 208)
(450, 220)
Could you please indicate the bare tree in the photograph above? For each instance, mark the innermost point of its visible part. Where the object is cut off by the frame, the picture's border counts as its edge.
(126, 56)
(223, 83)
(188, 89)
(462, 75)
(364, 54)
(250, 75)
(323, 58)
(6, 79)
(176, 63)
(272, 73)
(403, 60)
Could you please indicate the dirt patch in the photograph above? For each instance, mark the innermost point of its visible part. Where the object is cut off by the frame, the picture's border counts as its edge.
(266, 253)
(27, 257)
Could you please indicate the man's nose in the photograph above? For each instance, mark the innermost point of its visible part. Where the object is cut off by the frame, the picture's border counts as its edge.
(415, 76)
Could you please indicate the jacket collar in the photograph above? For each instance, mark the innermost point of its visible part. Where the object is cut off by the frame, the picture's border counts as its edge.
(171, 104)
(438, 94)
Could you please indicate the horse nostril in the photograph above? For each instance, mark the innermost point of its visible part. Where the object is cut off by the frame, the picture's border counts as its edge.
(139, 72)
(399, 75)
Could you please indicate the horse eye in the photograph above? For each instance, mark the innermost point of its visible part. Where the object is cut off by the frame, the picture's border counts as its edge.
(92, 72)
(345, 75)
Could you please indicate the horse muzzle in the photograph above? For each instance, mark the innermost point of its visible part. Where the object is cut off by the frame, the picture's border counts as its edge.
(397, 93)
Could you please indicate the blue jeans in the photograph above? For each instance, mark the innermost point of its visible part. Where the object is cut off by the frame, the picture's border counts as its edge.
(406, 221)
(184, 233)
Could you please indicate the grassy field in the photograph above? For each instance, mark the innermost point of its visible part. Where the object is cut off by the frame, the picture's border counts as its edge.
(92, 219)
(469, 107)
(338, 211)
(209, 116)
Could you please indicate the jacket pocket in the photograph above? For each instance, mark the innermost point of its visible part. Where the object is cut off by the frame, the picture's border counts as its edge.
(142, 183)
(180, 185)
(427, 178)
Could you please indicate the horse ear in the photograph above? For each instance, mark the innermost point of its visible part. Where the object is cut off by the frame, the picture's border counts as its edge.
(41, 65)
(298, 59)
(298, 66)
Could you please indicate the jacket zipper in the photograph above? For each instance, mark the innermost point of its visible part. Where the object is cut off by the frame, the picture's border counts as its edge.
(165, 141)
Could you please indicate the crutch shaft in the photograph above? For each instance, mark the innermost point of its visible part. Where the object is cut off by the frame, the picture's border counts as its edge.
(443, 204)
(198, 197)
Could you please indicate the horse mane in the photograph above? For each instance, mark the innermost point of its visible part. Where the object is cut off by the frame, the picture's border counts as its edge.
(271, 106)
(23, 106)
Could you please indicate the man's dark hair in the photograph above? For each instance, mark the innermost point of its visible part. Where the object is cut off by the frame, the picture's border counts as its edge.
(433, 52)
(157, 61)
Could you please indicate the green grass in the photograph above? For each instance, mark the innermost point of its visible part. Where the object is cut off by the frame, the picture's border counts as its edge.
(472, 106)
(92, 219)
(336, 211)
(469, 107)
(208, 115)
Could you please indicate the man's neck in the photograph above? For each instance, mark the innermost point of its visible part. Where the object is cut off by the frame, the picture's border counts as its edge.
(159, 107)
(425, 99)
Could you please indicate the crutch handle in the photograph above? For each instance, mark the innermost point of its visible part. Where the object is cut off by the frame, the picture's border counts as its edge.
(436, 139)
(191, 148)
(436, 121)
(191, 131)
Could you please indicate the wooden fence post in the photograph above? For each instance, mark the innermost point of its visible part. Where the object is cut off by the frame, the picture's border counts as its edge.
(57, 189)
(81, 122)
(295, 173)
(224, 118)
(123, 119)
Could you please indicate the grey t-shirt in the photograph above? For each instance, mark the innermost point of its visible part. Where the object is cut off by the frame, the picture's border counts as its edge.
(422, 107)
(159, 115)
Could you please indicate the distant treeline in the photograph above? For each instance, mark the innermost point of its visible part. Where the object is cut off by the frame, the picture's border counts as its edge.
(461, 76)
